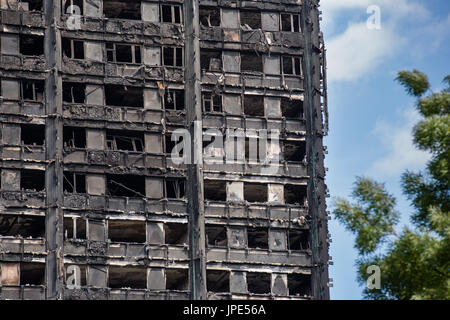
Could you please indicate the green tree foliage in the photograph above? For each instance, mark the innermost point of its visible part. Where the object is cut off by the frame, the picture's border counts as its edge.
(416, 263)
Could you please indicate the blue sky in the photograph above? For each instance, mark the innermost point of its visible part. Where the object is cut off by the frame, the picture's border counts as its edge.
(371, 117)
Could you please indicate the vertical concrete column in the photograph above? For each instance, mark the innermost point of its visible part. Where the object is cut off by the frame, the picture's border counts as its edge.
(194, 188)
(54, 147)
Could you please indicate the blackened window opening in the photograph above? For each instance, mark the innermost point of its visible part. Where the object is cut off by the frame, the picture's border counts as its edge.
(211, 60)
(122, 9)
(74, 137)
(123, 53)
(124, 96)
(255, 192)
(212, 102)
(32, 180)
(174, 99)
(175, 188)
(24, 226)
(173, 57)
(258, 238)
(258, 282)
(171, 13)
(33, 90)
(31, 45)
(291, 108)
(294, 151)
(292, 66)
(218, 281)
(251, 62)
(295, 194)
(74, 182)
(125, 140)
(32, 134)
(290, 22)
(74, 92)
(210, 16)
(126, 231)
(299, 284)
(215, 190)
(216, 236)
(251, 19)
(126, 186)
(298, 239)
(73, 49)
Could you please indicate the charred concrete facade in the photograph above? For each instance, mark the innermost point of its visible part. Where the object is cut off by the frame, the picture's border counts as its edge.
(90, 194)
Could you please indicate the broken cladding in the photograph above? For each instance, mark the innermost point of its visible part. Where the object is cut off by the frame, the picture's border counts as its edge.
(90, 195)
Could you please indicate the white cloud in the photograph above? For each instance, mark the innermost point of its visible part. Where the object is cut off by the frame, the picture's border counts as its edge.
(401, 153)
(358, 50)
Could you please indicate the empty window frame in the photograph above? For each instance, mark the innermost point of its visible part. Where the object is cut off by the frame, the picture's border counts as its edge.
(251, 62)
(74, 7)
(255, 192)
(74, 92)
(24, 226)
(210, 16)
(212, 102)
(32, 274)
(22, 274)
(173, 57)
(211, 60)
(254, 105)
(177, 279)
(74, 228)
(298, 239)
(30, 5)
(216, 235)
(176, 233)
(299, 284)
(291, 65)
(258, 282)
(32, 180)
(123, 53)
(32, 134)
(124, 96)
(74, 137)
(73, 49)
(31, 45)
(295, 194)
(126, 186)
(291, 108)
(125, 140)
(251, 19)
(218, 281)
(74, 182)
(215, 190)
(126, 231)
(294, 151)
(175, 188)
(290, 22)
(33, 90)
(122, 9)
(258, 238)
(127, 277)
(174, 99)
(172, 13)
